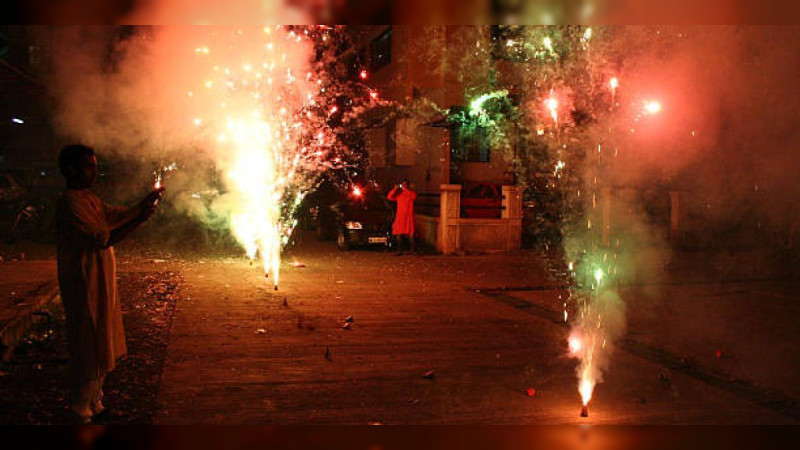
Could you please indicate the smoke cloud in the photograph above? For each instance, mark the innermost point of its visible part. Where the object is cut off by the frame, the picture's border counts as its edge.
(221, 102)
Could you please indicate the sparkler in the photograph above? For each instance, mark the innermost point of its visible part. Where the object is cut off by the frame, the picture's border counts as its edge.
(160, 174)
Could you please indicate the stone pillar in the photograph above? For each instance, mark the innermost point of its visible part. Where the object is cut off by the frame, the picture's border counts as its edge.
(449, 214)
(512, 214)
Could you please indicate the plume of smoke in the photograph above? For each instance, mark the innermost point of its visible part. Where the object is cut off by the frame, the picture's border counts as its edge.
(189, 94)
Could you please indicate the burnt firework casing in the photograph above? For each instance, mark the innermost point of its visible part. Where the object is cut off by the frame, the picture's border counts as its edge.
(585, 411)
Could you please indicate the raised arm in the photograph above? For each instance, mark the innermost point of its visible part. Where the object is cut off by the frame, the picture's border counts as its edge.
(392, 194)
(147, 207)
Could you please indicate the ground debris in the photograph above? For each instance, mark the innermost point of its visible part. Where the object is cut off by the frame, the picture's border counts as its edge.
(33, 390)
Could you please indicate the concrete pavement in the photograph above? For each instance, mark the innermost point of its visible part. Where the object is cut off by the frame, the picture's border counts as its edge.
(426, 346)
(27, 287)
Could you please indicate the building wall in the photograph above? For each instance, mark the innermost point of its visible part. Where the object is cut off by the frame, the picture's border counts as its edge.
(442, 64)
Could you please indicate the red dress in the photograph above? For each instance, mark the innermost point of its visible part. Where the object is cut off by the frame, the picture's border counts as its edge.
(404, 219)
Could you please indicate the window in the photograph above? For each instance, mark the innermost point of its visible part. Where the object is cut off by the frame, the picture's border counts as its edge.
(469, 143)
(380, 50)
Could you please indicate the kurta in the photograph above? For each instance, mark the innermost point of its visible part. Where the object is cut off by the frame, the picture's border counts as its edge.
(404, 218)
(87, 280)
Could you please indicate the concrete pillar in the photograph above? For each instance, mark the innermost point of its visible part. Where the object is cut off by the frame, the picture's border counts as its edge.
(449, 214)
(512, 213)
(512, 201)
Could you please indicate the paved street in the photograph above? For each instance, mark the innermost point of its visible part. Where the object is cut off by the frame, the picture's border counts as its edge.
(237, 355)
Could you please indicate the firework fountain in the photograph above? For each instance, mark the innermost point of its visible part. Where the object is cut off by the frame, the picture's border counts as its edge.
(575, 108)
(259, 102)
(258, 105)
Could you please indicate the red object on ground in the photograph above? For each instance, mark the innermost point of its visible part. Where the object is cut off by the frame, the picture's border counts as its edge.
(585, 411)
(530, 392)
(719, 353)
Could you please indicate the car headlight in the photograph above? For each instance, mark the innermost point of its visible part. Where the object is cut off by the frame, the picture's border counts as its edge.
(353, 225)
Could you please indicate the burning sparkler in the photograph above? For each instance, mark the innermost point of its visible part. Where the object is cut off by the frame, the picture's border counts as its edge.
(161, 173)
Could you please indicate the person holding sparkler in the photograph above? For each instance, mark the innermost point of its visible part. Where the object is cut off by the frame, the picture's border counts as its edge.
(88, 228)
(403, 226)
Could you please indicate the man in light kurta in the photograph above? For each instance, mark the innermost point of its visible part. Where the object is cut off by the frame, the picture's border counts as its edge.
(87, 230)
(403, 226)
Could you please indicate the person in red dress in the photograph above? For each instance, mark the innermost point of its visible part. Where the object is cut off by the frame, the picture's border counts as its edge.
(403, 226)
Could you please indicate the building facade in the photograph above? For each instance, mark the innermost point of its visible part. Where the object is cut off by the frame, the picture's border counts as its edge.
(468, 198)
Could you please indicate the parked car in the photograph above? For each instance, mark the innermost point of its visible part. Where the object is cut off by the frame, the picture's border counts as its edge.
(482, 200)
(10, 190)
(363, 218)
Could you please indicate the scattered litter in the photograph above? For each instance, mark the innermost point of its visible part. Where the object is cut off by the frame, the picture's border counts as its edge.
(328, 355)
(339, 282)
(285, 303)
(429, 374)
(530, 392)
(349, 319)
(261, 331)
(297, 265)
(413, 401)
(157, 261)
(347, 326)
